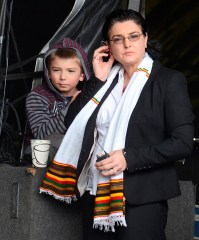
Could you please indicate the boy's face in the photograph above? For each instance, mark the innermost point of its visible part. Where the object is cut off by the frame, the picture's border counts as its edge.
(65, 74)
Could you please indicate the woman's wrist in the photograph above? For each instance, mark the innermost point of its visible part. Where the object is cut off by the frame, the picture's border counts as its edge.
(124, 154)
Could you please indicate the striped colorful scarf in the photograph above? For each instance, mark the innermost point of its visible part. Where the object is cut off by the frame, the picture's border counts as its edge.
(60, 180)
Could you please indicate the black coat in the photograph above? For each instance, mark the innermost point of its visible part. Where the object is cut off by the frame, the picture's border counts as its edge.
(160, 131)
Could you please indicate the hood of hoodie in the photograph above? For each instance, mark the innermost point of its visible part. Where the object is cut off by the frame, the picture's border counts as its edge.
(66, 43)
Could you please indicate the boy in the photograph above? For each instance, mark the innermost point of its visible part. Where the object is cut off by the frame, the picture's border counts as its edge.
(65, 66)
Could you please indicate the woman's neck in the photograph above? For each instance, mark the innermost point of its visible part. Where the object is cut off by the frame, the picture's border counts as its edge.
(128, 73)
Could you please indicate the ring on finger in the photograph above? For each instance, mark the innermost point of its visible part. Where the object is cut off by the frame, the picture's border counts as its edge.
(115, 171)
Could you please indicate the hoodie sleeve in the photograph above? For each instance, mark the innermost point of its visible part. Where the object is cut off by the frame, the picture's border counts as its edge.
(40, 118)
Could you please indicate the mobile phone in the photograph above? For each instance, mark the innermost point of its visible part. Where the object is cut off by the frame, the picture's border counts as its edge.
(102, 157)
(105, 59)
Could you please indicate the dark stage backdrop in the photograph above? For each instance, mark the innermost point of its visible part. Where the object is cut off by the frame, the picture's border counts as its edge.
(175, 25)
(32, 25)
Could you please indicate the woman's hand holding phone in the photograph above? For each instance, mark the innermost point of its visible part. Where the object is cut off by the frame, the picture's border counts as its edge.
(101, 66)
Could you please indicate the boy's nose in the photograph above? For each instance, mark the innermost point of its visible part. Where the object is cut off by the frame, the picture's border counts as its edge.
(62, 76)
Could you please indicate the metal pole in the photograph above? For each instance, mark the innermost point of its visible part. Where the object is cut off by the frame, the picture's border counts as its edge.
(2, 25)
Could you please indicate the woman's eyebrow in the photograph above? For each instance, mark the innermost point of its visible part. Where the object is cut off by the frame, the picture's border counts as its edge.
(120, 35)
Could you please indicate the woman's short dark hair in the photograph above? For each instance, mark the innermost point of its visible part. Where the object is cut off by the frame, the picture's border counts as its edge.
(121, 15)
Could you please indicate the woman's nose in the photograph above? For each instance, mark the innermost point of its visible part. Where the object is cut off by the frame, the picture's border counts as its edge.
(127, 43)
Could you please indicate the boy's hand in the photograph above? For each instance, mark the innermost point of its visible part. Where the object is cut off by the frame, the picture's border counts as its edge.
(31, 170)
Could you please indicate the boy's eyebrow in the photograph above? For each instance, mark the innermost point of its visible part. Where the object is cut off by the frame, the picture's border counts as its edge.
(66, 68)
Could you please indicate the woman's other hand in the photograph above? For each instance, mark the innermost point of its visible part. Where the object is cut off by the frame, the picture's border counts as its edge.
(112, 165)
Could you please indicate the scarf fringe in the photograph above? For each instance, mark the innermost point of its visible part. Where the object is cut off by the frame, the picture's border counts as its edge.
(109, 223)
(68, 200)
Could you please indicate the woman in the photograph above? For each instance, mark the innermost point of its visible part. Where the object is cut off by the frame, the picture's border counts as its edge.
(140, 121)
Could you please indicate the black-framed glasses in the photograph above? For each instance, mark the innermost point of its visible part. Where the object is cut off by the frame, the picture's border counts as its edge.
(133, 37)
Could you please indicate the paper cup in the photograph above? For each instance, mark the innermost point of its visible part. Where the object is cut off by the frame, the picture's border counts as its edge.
(40, 152)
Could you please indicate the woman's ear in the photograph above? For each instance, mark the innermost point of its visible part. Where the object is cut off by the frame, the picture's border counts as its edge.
(146, 40)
